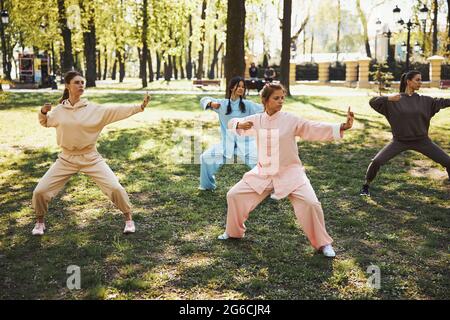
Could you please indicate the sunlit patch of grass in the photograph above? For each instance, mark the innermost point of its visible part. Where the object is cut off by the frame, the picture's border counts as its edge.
(402, 228)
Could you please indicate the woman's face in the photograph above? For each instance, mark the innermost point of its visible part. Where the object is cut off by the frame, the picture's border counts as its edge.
(275, 102)
(76, 86)
(239, 89)
(415, 82)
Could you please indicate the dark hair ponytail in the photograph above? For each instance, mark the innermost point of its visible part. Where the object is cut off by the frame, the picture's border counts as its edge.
(67, 78)
(407, 76)
(65, 95)
(233, 82)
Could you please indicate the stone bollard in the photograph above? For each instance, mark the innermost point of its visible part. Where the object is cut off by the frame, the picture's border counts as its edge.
(351, 74)
(292, 78)
(435, 70)
(324, 72)
(363, 75)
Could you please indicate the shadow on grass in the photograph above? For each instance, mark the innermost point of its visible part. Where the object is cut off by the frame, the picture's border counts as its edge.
(175, 253)
(29, 99)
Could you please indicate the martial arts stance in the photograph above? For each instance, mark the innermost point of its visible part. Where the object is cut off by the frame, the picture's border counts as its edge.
(409, 115)
(235, 106)
(279, 170)
(78, 124)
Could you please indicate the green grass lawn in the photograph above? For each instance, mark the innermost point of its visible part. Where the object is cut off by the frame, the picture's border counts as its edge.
(403, 228)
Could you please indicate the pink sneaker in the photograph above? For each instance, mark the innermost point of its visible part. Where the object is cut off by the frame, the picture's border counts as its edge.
(129, 227)
(38, 229)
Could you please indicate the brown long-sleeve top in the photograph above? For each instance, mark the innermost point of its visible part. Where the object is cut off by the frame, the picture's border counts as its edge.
(410, 116)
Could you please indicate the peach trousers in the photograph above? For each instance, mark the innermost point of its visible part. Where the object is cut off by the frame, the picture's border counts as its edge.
(67, 165)
(242, 199)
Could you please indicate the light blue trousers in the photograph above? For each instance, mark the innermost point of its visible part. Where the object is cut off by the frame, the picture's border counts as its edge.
(212, 160)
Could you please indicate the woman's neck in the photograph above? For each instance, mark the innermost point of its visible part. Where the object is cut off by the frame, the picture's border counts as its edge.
(409, 91)
(74, 99)
(271, 112)
(234, 97)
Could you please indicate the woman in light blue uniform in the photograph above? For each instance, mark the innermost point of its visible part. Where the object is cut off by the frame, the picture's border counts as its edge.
(235, 106)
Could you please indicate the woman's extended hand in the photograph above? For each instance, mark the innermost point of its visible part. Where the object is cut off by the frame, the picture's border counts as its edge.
(214, 105)
(147, 99)
(46, 108)
(350, 118)
(244, 125)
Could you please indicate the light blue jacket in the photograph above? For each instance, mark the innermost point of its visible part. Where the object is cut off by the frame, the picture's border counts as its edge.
(229, 140)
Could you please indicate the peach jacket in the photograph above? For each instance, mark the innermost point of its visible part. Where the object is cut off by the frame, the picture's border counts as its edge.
(278, 160)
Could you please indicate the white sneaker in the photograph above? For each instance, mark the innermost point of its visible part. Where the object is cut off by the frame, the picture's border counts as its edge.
(204, 189)
(328, 251)
(223, 236)
(38, 229)
(129, 227)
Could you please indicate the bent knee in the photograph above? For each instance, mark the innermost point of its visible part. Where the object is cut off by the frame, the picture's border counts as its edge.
(39, 192)
(117, 188)
(377, 162)
(232, 193)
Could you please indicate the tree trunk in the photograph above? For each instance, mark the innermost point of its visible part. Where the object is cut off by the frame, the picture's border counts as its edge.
(140, 62)
(150, 67)
(286, 45)
(363, 19)
(158, 65)
(90, 42)
(121, 59)
(105, 70)
(234, 59)
(211, 68)
(67, 57)
(216, 51)
(189, 53)
(89, 49)
(435, 26)
(175, 70)
(144, 43)
(215, 59)
(304, 43)
(180, 63)
(201, 53)
(114, 69)
(99, 69)
(168, 69)
(339, 30)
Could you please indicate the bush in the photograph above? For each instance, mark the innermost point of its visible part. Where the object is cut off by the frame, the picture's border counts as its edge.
(445, 72)
(381, 76)
(337, 71)
(307, 71)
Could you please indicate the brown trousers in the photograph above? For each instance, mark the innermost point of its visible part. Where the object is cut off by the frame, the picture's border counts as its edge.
(425, 146)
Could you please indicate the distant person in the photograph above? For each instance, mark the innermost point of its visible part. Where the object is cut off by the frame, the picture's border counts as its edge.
(269, 74)
(253, 71)
(409, 115)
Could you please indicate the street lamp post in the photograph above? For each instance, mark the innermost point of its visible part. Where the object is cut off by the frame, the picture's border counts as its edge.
(409, 25)
(423, 12)
(5, 20)
(378, 28)
(390, 56)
